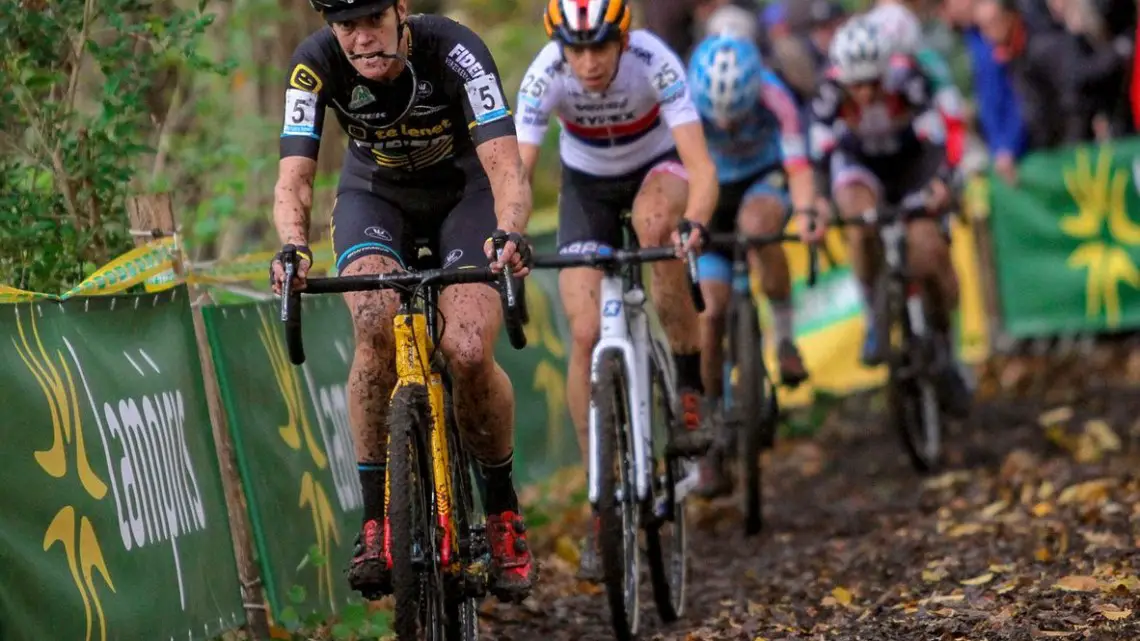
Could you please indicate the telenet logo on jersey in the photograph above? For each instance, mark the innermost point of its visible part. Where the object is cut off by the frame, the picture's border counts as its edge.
(305, 79)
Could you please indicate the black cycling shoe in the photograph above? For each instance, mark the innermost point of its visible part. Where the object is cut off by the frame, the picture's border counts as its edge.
(368, 572)
(954, 395)
(792, 369)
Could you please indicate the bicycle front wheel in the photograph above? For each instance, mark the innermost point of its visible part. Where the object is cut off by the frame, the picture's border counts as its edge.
(755, 422)
(617, 509)
(417, 582)
(912, 395)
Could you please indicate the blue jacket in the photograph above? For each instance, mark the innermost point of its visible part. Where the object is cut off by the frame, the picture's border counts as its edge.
(999, 106)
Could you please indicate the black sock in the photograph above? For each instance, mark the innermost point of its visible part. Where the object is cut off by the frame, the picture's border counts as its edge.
(500, 495)
(689, 371)
(372, 488)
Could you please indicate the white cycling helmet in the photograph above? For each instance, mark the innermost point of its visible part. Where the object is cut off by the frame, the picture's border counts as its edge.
(899, 26)
(859, 52)
(732, 20)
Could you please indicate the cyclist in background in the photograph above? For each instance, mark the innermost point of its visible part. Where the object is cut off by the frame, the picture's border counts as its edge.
(876, 130)
(432, 153)
(631, 140)
(903, 30)
(756, 139)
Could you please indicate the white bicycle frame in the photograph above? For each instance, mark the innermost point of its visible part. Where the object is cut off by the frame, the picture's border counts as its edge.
(630, 328)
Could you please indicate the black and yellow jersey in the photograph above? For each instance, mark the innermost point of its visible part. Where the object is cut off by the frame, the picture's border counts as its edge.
(459, 104)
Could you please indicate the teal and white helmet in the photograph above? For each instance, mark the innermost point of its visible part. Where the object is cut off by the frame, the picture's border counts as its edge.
(899, 26)
(858, 52)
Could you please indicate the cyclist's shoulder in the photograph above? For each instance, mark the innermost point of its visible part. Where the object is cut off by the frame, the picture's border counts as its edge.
(316, 62)
(452, 43)
(548, 61)
(648, 50)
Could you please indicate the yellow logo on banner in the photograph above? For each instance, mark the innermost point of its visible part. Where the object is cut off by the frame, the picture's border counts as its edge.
(1100, 198)
(312, 493)
(74, 533)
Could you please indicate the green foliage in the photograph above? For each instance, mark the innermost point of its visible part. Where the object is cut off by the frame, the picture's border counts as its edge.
(355, 622)
(82, 84)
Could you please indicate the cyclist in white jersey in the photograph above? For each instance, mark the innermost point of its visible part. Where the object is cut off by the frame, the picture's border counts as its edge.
(631, 140)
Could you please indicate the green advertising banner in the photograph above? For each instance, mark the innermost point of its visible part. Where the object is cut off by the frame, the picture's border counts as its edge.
(114, 521)
(1066, 245)
(295, 445)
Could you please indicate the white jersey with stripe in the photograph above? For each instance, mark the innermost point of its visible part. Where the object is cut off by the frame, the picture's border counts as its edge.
(615, 132)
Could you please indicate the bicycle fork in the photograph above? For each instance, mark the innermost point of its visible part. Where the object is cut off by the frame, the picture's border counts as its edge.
(630, 340)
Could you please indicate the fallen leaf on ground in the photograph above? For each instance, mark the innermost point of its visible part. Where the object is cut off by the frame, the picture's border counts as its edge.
(1046, 490)
(1086, 492)
(1055, 415)
(1076, 583)
(1042, 554)
(1128, 584)
(934, 576)
(1008, 586)
(992, 510)
(842, 595)
(964, 529)
(1104, 436)
(1004, 567)
(980, 579)
(1111, 612)
(944, 612)
(1042, 509)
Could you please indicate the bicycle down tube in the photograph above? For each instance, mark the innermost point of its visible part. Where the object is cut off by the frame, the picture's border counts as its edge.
(625, 328)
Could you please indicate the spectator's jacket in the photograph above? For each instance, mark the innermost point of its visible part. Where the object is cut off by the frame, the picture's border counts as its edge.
(1041, 66)
(998, 106)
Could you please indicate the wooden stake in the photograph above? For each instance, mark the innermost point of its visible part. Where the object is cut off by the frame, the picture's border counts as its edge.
(155, 213)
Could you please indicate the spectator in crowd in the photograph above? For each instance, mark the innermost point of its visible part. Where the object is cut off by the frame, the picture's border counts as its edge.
(996, 103)
(800, 33)
(1040, 65)
(679, 22)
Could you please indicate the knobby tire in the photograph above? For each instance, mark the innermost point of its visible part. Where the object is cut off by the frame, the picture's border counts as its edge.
(667, 572)
(756, 428)
(904, 392)
(620, 565)
(462, 607)
(416, 589)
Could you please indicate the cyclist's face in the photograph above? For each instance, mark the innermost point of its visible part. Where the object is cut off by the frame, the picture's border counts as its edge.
(594, 65)
(362, 38)
(864, 93)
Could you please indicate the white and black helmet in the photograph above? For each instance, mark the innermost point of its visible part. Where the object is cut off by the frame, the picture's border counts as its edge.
(859, 52)
(899, 26)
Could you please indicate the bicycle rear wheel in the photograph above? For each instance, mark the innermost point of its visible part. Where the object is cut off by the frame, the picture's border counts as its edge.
(667, 552)
(417, 581)
(617, 509)
(911, 393)
(756, 424)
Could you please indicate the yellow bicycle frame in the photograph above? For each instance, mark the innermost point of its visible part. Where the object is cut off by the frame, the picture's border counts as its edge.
(413, 367)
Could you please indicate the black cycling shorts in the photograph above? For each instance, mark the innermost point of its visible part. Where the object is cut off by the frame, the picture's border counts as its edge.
(892, 178)
(771, 182)
(452, 224)
(590, 207)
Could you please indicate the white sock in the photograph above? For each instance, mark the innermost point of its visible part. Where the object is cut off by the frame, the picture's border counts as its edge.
(782, 315)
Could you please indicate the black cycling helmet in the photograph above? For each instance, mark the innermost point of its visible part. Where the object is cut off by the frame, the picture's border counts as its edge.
(343, 10)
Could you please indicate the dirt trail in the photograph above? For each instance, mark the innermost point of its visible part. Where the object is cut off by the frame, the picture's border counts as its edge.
(1031, 535)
